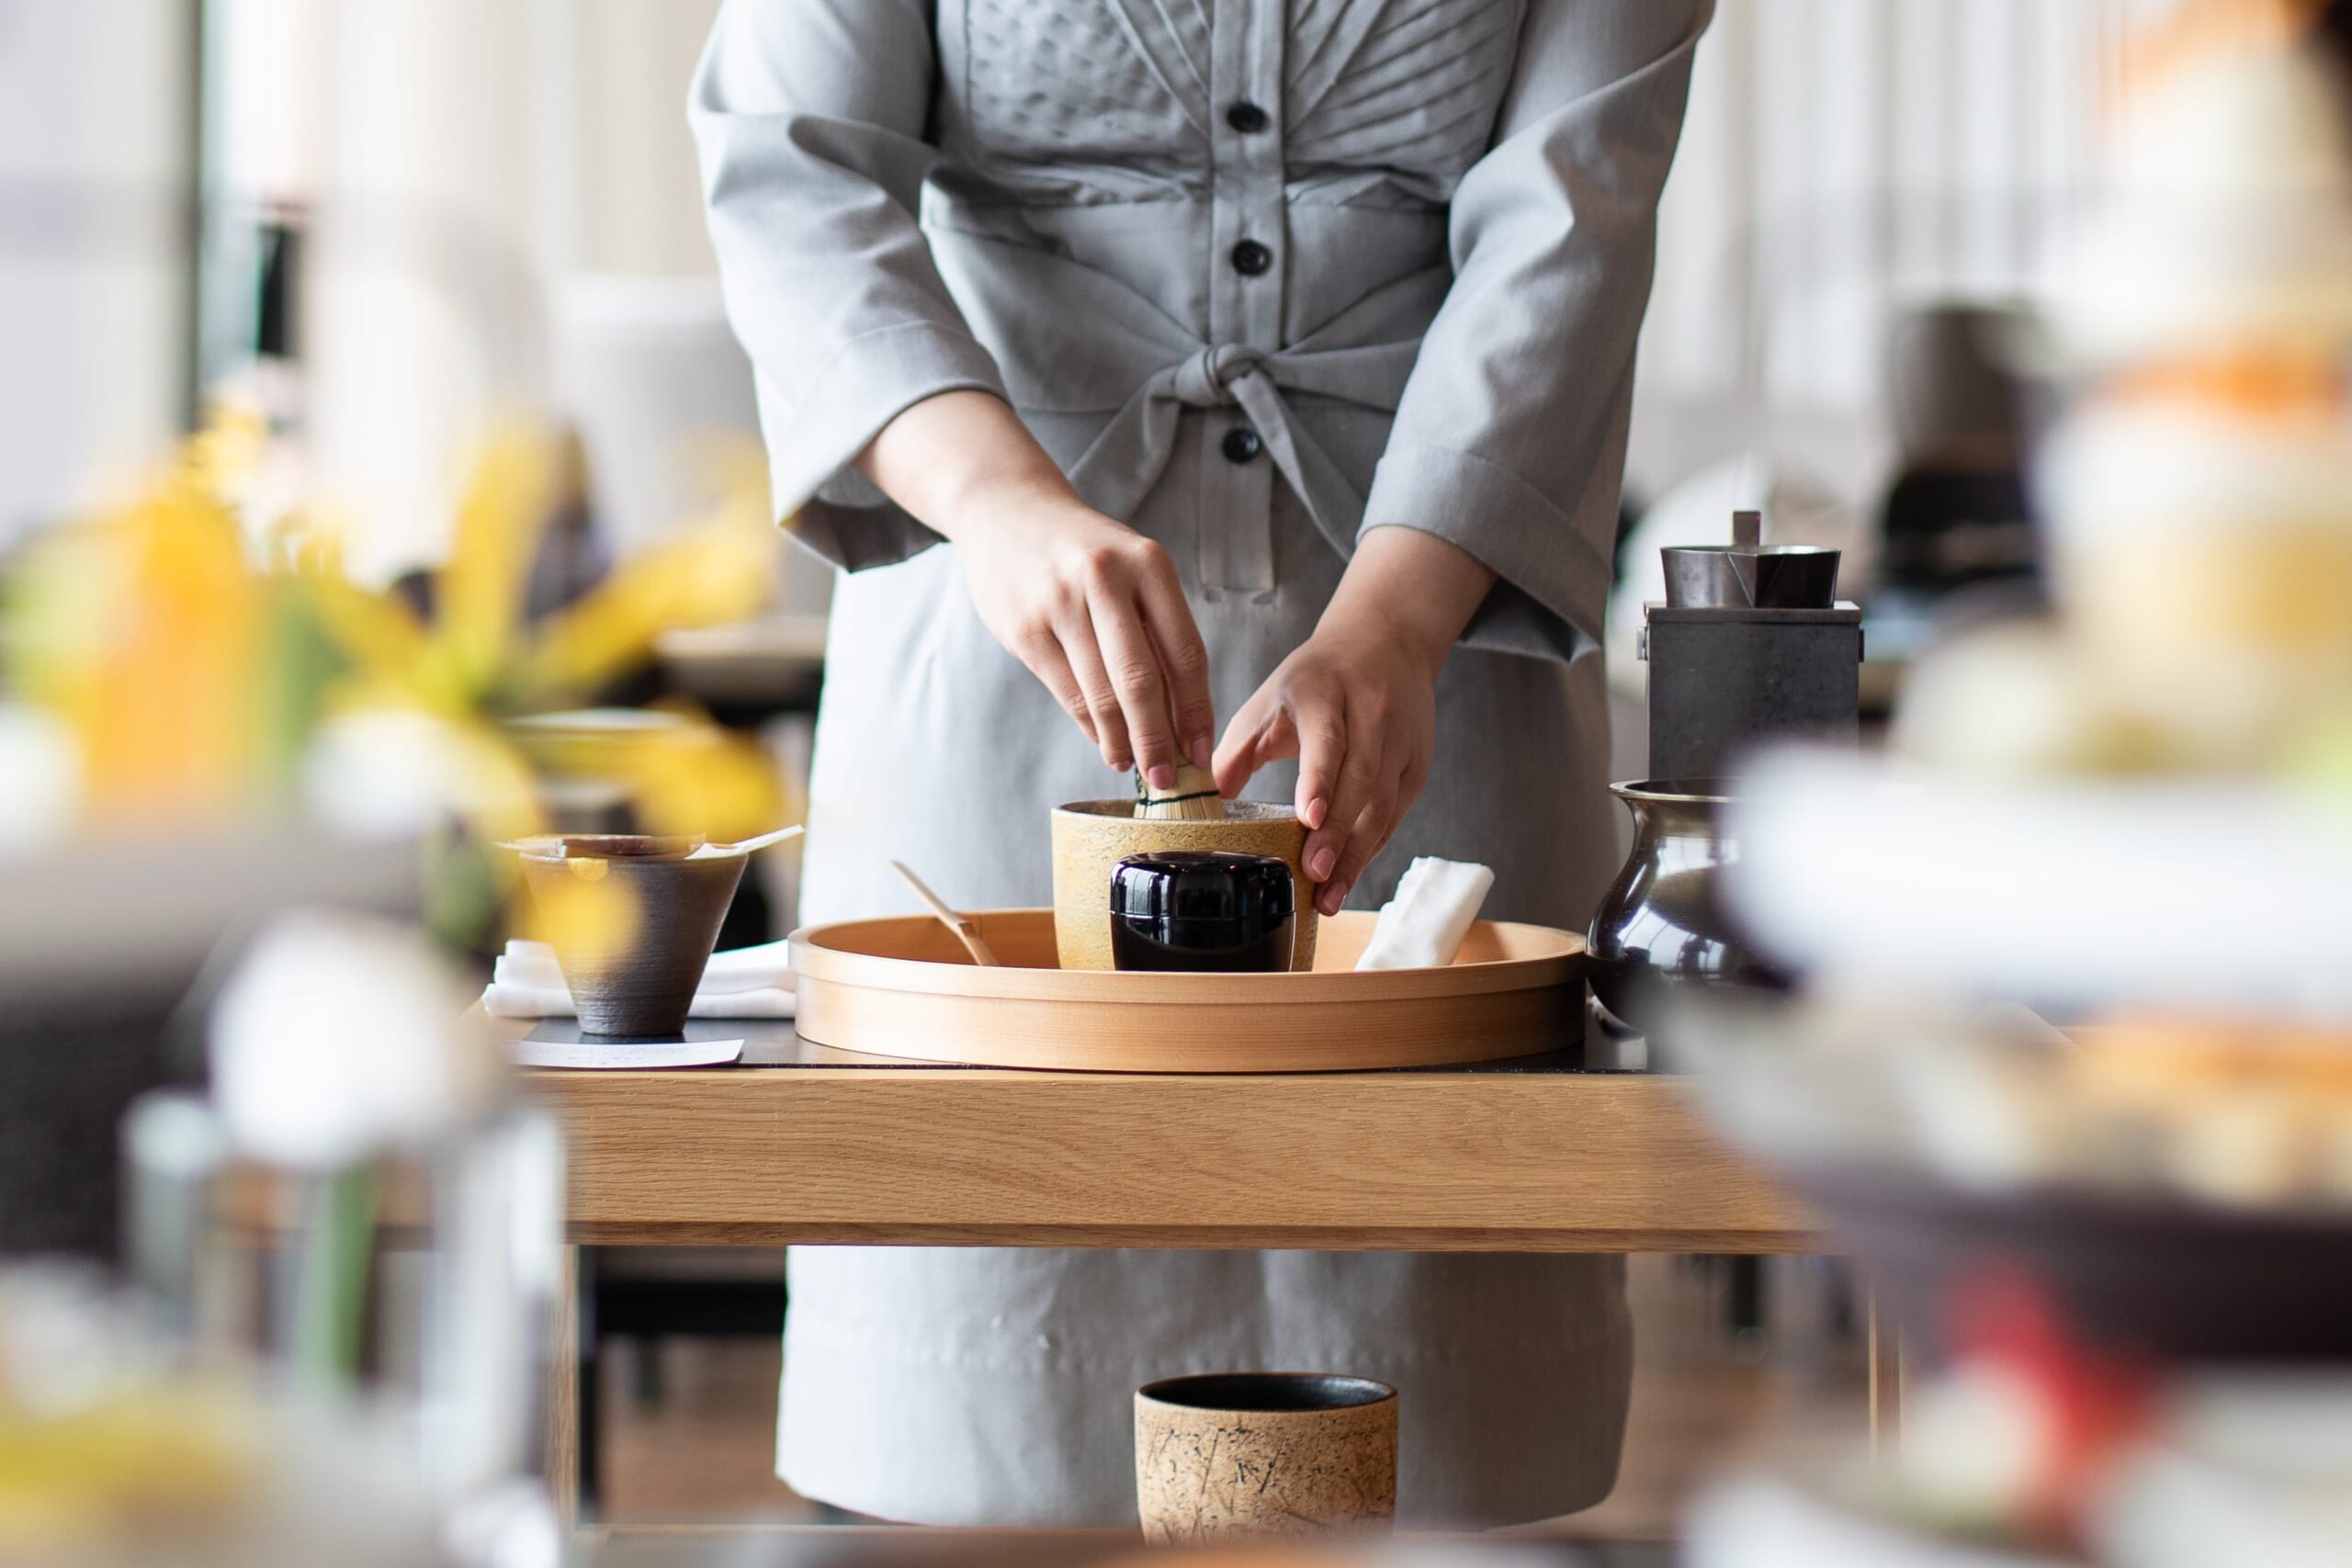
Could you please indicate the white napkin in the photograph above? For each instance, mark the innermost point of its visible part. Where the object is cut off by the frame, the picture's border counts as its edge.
(1422, 927)
(741, 981)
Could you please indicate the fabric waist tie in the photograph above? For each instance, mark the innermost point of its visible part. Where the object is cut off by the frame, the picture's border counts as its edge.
(1071, 339)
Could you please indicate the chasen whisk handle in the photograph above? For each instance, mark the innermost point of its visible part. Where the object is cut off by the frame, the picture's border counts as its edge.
(1191, 797)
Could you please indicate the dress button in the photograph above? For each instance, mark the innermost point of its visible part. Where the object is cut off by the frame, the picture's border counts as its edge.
(1250, 258)
(1241, 443)
(1247, 118)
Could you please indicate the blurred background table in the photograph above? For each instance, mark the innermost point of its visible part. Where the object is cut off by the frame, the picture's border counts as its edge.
(749, 671)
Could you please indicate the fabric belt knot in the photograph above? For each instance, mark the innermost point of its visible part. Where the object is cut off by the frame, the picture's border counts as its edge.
(1118, 471)
(1206, 381)
(1135, 363)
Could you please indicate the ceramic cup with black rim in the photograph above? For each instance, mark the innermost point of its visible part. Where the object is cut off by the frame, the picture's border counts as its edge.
(640, 979)
(1235, 1456)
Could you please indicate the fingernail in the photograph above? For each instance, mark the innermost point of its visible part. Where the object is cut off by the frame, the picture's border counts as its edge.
(1160, 776)
(1316, 809)
(1318, 864)
(1202, 749)
(1332, 897)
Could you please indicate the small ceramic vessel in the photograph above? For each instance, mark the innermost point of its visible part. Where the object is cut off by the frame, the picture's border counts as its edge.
(1202, 910)
(1235, 1456)
(1661, 929)
(644, 984)
(1092, 836)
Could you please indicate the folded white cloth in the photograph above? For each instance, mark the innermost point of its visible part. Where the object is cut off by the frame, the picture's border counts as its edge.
(741, 981)
(1422, 927)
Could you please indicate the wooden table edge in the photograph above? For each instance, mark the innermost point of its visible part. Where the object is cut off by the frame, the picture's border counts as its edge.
(984, 1157)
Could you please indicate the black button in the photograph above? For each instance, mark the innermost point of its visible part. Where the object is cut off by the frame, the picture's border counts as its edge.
(1247, 118)
(1241, 443)
(1250, 258)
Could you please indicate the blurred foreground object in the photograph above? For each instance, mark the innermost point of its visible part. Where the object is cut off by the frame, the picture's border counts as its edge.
(2135, 814)
(2203, 557)
(2065, 893)
(478, 682)
(337, 1038)
(113, 1454)
(364, 1110)
(184, 678)
(2199, 491)
(2039, 1456)
(2146, 798)
(2226, 220)
(2029, 1445)
(2181, 1187)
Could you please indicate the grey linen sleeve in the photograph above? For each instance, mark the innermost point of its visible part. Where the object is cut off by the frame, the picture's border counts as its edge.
(1510, 440)
(808, 116)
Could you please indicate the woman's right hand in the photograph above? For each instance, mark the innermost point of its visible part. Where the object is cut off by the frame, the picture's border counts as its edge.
(1093, 608)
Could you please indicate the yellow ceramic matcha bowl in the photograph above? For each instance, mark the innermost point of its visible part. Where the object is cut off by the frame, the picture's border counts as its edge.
(1092, 836)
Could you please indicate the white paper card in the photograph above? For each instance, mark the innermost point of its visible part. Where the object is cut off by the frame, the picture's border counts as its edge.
(651, 1054)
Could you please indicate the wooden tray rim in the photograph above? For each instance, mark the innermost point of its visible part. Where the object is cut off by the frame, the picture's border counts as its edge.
(812, 958)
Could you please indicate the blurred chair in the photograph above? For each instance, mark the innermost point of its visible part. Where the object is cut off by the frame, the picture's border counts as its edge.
(644, 1295)
(645, 368)
(100, 944)
(649, 374)
(71, 1062)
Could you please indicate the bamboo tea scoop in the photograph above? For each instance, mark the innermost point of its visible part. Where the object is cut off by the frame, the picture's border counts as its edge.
(753, 845)
(966, 932)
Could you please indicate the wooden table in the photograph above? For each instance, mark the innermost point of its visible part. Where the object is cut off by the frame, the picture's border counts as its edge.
(800, 1147)
(804, 1144)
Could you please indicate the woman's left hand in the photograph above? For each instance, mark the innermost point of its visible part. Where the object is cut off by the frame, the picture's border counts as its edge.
(1356, 703)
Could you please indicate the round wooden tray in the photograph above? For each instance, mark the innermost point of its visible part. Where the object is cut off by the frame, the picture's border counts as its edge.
(903, 987)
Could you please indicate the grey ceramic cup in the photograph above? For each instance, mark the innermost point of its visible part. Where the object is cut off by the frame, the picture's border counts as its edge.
(1235, 1456)
(645, 985)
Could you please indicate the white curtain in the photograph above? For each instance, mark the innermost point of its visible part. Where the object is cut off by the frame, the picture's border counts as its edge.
(96, 170)
(469, 157)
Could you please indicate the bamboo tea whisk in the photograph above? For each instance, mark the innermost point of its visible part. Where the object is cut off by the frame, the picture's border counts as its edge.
(1191, 798)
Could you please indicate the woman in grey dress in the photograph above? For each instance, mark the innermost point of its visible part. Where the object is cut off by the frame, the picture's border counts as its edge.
(1257, 358)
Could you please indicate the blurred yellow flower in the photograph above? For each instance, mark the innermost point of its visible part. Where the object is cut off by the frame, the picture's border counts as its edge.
(584, 913)
(192, 675)
(712, 572)
(144, 631)
(701, 779)
(165, 1458)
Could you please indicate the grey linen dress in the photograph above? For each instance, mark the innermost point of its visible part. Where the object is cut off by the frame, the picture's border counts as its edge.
(1257, 275)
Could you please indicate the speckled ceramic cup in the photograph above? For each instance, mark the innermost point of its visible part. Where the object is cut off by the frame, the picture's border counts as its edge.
(1233, 1456)
(646, 983)
(1090, 836)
